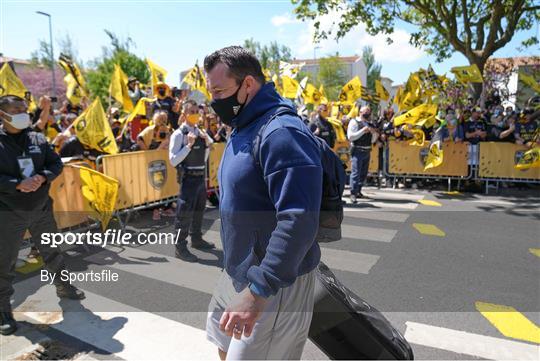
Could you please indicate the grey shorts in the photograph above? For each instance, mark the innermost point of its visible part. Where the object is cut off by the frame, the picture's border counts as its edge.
(281, 331)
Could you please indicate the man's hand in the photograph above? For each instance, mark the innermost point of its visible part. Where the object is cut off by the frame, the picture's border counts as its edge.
(191, 138)
(240, 317)
(31, 184)
(317, 131)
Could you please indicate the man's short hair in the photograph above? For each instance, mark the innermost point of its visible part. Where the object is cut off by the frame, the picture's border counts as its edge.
(239, 61)
(188, 103)
(8, 100)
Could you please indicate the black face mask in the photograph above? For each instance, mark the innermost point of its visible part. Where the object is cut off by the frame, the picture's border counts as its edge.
(116, 131)
(161, 92)
(228, 108)
(162, 135)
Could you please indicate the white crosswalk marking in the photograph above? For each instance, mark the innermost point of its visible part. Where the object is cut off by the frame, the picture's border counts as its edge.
(367, 213)
(131, 334)
(469, 343)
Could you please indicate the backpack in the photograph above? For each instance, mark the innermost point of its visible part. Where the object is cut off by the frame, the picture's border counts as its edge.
(331, 212)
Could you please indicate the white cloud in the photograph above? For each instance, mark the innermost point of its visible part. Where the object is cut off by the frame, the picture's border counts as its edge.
(284, 19)
(400, 51)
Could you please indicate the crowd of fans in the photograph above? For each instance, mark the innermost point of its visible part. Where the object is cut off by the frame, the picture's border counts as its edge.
(471, 124)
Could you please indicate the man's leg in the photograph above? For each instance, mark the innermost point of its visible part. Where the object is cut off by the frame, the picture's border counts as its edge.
(184, 215)
(354, 174)
(198, 214)
(363, 165)
(13, 230)
(43, 222)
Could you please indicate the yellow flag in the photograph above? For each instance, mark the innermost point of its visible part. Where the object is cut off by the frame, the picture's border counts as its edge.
(354, 112)
(196, 79)
(289, 69)
(119, 90)
(467, 74)
(529, 81)
(351, 91)
(423, 114)
(158, 73)
(10, 84)
(75, 83)
(93, 129)
(398, 95)
(418, 137)
(435, 154)
(324, 100)
(290, 87)
(381, 91)
(140, 108)
(100, 193)
(311, 95)
(529, 159)
(267, 75)
(338, 128)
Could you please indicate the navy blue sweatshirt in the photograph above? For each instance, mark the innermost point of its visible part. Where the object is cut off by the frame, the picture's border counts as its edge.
(269, 211)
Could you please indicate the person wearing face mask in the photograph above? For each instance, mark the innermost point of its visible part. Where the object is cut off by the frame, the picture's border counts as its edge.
(155, 136)
(28, 165)
(189, 150)
(321, 127)
(361, 133)
(165, 102)
(453, 131)
(270, 182)
(526, 128)
(496, 124)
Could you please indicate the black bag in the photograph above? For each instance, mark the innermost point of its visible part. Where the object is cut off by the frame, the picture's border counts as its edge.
(331, 213)
(345, 327)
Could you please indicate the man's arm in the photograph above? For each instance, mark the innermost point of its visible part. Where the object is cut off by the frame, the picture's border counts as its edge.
(177, 150)
(53, 164)
(291, 166)
(353, 133)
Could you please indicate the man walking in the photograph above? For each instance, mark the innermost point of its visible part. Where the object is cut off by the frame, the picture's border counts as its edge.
(269, 205)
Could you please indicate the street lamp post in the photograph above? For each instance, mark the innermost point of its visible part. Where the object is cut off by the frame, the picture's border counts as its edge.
(52, 51)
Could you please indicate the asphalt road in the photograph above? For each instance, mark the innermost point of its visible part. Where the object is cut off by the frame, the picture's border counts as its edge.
(441, 267)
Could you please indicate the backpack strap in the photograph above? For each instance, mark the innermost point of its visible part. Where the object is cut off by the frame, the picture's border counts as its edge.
(256, 145)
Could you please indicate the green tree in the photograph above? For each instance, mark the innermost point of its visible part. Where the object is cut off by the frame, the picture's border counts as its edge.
(42, 56)
(269, 55)
(474, 28)
(331, 75)
(101, 69)
(373, 68)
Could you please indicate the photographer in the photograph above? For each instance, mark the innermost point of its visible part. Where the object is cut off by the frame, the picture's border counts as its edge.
(28, 165)
(134, 90)
(361, 133)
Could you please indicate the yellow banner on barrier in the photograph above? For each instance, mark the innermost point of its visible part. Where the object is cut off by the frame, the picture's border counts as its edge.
(498, 160)
(68, 203)
(144, 177)
(213, 164)
(405, 159)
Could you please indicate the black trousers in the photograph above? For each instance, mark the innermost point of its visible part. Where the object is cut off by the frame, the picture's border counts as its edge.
(14, 225)
(190, 208)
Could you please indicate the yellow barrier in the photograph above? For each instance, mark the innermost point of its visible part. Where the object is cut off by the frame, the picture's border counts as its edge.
(213, 164)
(406, 159)
(343, 150)
(68, 203)
(144, 177)
(497, 160)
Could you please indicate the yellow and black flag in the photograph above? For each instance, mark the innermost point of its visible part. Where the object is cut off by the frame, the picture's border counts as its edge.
(75, 83)
(435, 154)
(311, 94)
(158, 74)
(467, 74)
(100, 193)
(422, 115)
(351, 91)
(196, 80)
(119, 90)
(381, 91)
(93, 129)
(529, 159)
(10, 84)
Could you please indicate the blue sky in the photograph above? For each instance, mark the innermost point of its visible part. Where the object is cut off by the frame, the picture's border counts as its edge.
(175, 34)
